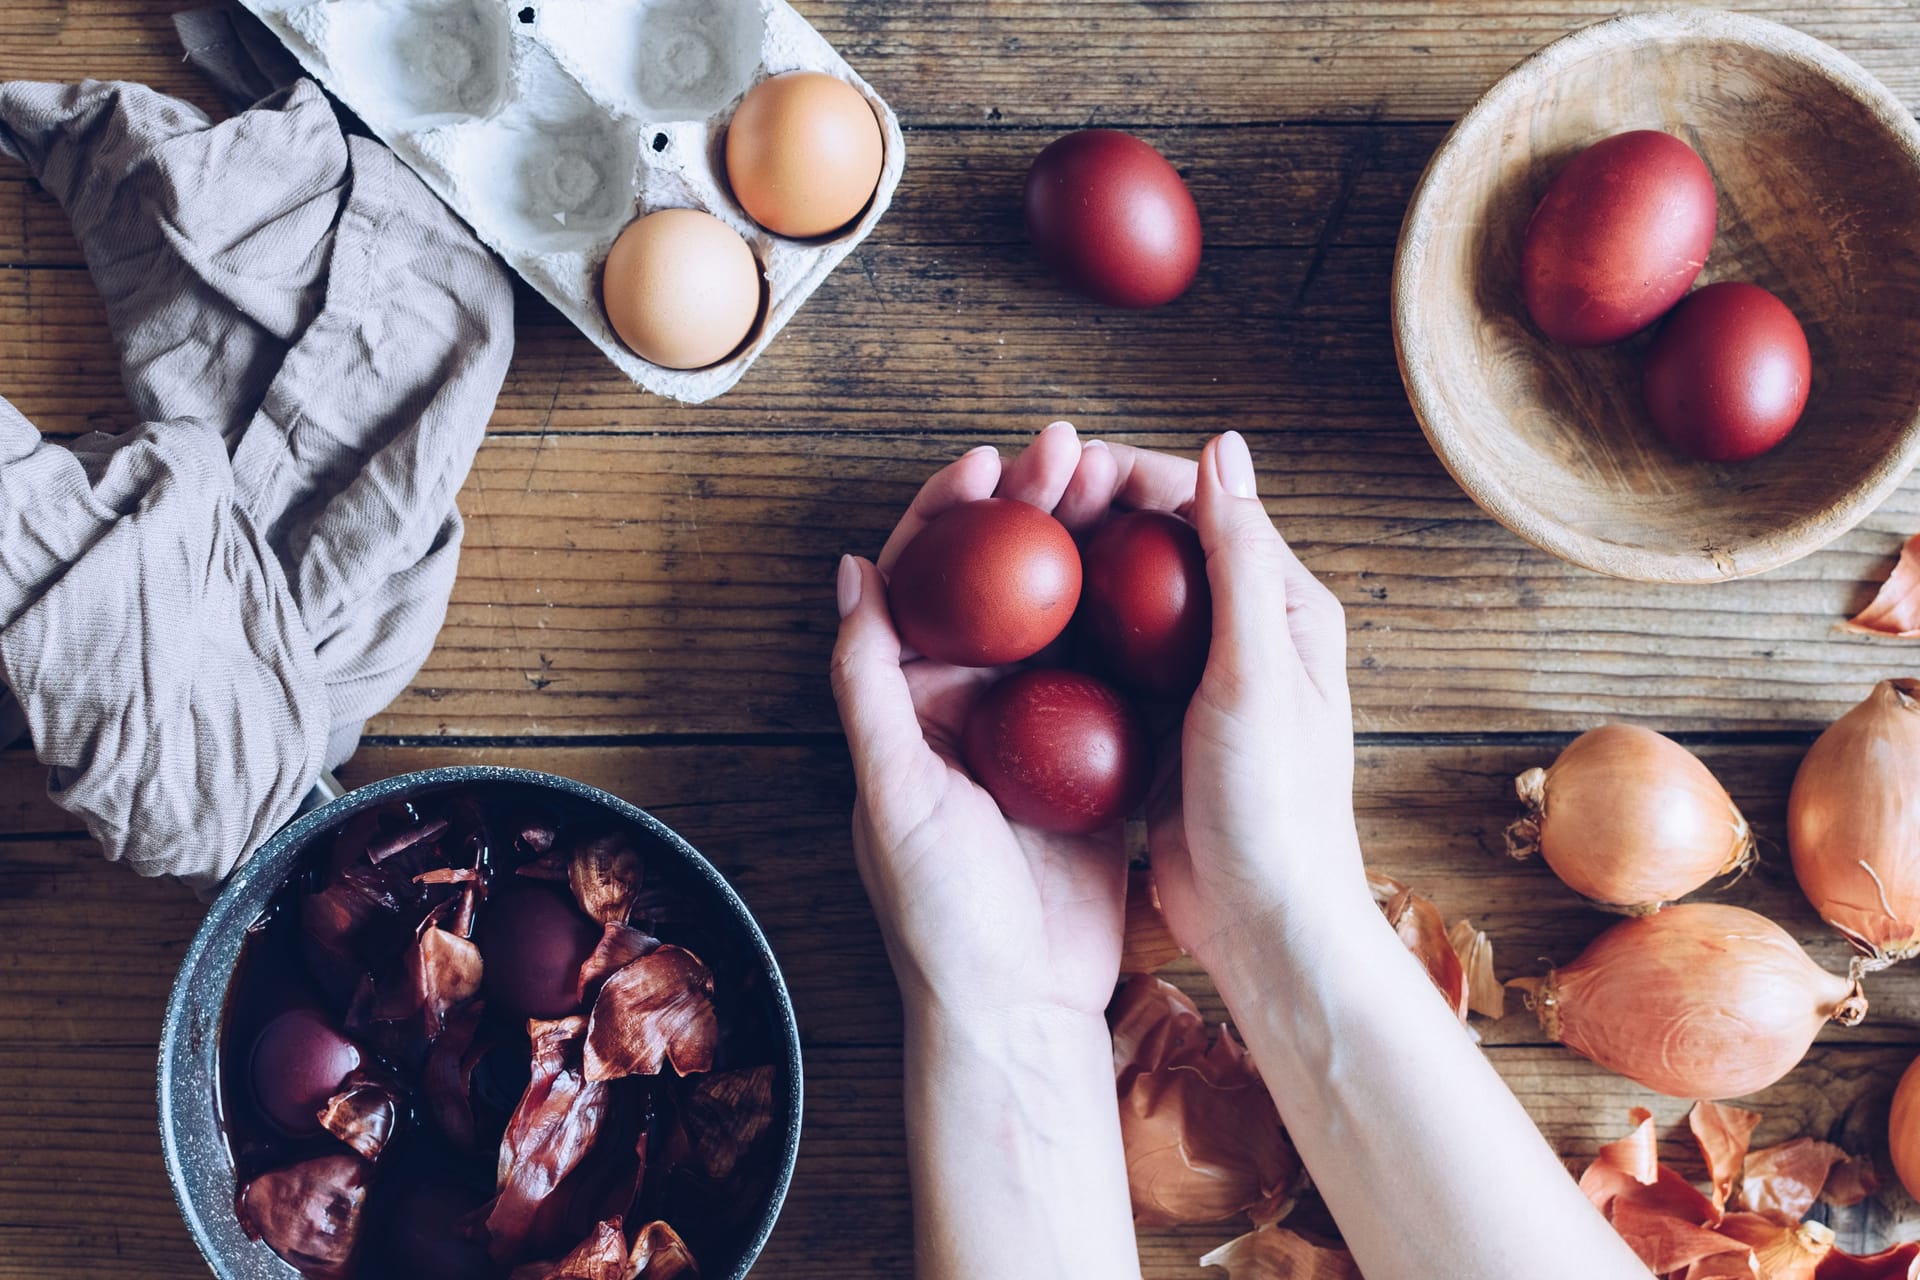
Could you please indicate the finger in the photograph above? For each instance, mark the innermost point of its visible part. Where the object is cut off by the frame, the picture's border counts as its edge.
(876, 707)
(1090, 493)
(1246, 563)
(970, 476)
(1040, 475)
(1153, 481)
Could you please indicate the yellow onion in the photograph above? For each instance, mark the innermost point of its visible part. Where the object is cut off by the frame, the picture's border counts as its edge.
(1853, 823)
(1630, 819)
(1903, 1129)
(1701, 1000)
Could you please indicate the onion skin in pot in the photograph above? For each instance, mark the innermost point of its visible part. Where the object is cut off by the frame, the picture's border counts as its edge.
(1853, 822)
(1630, 820)
(1903, 1128)
(1702, 1000)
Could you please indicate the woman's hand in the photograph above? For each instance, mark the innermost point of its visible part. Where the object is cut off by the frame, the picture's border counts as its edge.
(979, 913)
(1005, 940)
(1253, 819)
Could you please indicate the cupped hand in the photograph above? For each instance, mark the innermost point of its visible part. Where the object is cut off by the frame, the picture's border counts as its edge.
(980, 914)
(1252, 819)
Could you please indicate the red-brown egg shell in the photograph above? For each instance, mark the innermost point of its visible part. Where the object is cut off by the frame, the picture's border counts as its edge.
(1058, 750)
(986, 583)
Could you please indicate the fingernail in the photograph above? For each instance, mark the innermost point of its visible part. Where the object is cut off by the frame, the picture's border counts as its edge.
(1094, 444)
(846, 585)
(979, 449)
(1234, 465)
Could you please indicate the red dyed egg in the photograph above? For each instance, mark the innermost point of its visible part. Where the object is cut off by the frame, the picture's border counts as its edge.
(1728, 374)
(1112, 219)
(986, 583)
(534, 939)
(1619, 238)
(1145, 607)
(1058, 750)
(298, 1063)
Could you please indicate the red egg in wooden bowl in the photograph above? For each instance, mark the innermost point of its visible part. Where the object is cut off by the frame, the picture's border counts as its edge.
(1816, 167)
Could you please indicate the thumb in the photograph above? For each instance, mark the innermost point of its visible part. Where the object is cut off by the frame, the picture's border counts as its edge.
(876, 707)
(1246, 562)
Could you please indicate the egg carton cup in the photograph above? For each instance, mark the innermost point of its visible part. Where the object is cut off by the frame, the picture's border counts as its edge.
(549, 125)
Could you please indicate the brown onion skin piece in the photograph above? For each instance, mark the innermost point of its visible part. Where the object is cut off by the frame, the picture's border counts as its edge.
(309, 1213)
(1853, 822)
(655, 1013)
(1701, 1000)
(1630, 820)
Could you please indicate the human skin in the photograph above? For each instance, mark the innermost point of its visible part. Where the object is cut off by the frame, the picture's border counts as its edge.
(1006, 940)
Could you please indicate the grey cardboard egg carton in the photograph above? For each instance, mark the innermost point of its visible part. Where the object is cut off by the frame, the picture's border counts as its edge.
(549, 125)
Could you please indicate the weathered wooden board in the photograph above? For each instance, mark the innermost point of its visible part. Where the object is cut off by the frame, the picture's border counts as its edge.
(88, 952)
(1030, 62)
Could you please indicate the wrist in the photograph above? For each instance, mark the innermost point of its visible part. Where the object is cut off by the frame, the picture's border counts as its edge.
(1293, 932)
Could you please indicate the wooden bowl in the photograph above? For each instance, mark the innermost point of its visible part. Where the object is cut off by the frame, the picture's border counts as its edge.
(1818, 171)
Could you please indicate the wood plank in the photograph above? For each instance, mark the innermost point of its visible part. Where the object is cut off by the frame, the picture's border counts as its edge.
(679, 584)
(1059, 62)
(1431, 816)
(1258, 186)
(89, 952)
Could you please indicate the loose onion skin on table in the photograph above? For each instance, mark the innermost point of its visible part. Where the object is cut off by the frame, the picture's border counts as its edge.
(1853, 823)
(1702, 1000)
(1630, 819)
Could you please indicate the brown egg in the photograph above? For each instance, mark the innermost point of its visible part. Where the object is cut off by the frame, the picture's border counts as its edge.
(682, 289)
(803, 154)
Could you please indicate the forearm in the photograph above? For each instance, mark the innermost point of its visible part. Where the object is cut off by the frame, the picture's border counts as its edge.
(1013, 1138)
(1426, 1159)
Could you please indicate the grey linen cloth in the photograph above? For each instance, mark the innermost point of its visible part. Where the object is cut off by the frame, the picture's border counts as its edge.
(198, 615)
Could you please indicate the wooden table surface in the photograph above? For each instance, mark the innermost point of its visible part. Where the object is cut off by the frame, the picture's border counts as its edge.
(645, 603)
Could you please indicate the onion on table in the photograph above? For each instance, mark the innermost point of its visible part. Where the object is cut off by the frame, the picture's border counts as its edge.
(1853, 823)
(1630, 819)
(1702, 1000)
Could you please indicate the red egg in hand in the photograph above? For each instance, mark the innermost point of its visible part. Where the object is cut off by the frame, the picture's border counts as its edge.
(1058, 750)
(1728, 374)
(298, 1063)
(1145, 607)
(1112, 219)
(986, 583)
(534, 940)
(1619, 238)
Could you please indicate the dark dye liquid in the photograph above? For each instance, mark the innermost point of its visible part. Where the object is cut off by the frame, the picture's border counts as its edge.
(420, 1180)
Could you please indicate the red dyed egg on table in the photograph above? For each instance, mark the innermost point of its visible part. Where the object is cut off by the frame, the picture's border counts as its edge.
(1112, 219)
(298, 1063)
(986, 583)
(1619, 238)
(1145, 607)
(1728, 374)
(533, 940)
(1058, 750)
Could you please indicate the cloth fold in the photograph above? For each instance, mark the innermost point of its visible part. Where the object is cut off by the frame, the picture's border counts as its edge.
(199, 615)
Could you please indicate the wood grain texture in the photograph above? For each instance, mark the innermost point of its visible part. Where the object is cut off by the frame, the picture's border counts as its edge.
(89, 953)
(1815, 167)
(672, 577)
(1055, 62)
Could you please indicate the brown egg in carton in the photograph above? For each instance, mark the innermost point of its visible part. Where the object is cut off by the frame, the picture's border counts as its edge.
(550, 125)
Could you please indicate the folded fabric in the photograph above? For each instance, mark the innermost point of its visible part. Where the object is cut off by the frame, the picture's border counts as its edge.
(199, 615)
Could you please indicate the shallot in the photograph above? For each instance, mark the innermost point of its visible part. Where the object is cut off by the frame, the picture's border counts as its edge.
(1701, 1000)
(1630, 819)
(1853, 823)
(1903, 1128)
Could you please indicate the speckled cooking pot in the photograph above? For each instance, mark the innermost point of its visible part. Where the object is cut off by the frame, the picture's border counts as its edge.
(192, 1142)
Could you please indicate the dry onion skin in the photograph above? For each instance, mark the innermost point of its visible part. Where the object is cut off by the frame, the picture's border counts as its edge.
(1702, 1000)
(1630, 820)
(1853, 822)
